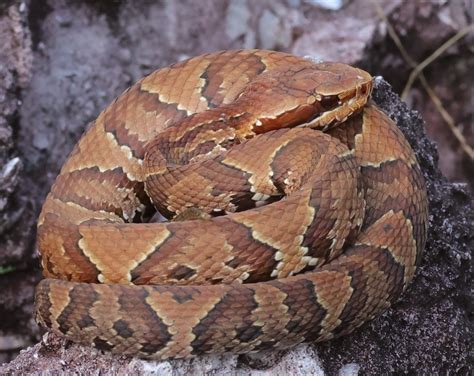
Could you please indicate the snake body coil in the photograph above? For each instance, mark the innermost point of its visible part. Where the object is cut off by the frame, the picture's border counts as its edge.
(279, 233)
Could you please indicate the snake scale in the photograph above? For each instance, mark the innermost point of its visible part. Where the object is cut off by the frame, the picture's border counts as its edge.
(296, 211)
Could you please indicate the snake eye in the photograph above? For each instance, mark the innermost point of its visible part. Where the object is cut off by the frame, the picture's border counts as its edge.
(329, 103)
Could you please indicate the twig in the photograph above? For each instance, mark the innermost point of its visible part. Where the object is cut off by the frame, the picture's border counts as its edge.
(418, 71)
(393, 34)
(447, 118)
(419, 68)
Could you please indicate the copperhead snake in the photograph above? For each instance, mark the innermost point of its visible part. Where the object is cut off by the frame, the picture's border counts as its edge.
(297, 211)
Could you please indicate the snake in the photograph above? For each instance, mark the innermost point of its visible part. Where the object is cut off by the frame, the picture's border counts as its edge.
(235, 202)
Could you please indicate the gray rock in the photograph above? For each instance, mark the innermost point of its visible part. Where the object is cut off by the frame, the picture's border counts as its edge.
(268, 29)
(237, 18)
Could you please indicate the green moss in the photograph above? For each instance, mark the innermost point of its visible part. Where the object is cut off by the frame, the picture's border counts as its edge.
(6, 269)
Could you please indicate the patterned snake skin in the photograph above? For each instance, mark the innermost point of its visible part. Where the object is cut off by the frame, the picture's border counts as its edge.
(297, 211)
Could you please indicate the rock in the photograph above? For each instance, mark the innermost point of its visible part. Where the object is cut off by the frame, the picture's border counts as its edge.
(340, 36)
(328, 4)
(271, 33)
(237, 17)
(15, 67)
(17, 215)
(53, 355)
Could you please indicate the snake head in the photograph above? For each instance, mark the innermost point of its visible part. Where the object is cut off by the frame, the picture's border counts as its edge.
(336, 91)
(311, 95)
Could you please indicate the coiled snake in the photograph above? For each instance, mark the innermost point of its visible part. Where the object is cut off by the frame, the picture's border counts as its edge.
(279, 233)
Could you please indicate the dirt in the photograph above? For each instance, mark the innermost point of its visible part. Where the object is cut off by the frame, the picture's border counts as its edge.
(63, 61)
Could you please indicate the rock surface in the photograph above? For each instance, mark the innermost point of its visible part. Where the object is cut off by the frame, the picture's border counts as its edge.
(63, 61)
(17, 207)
